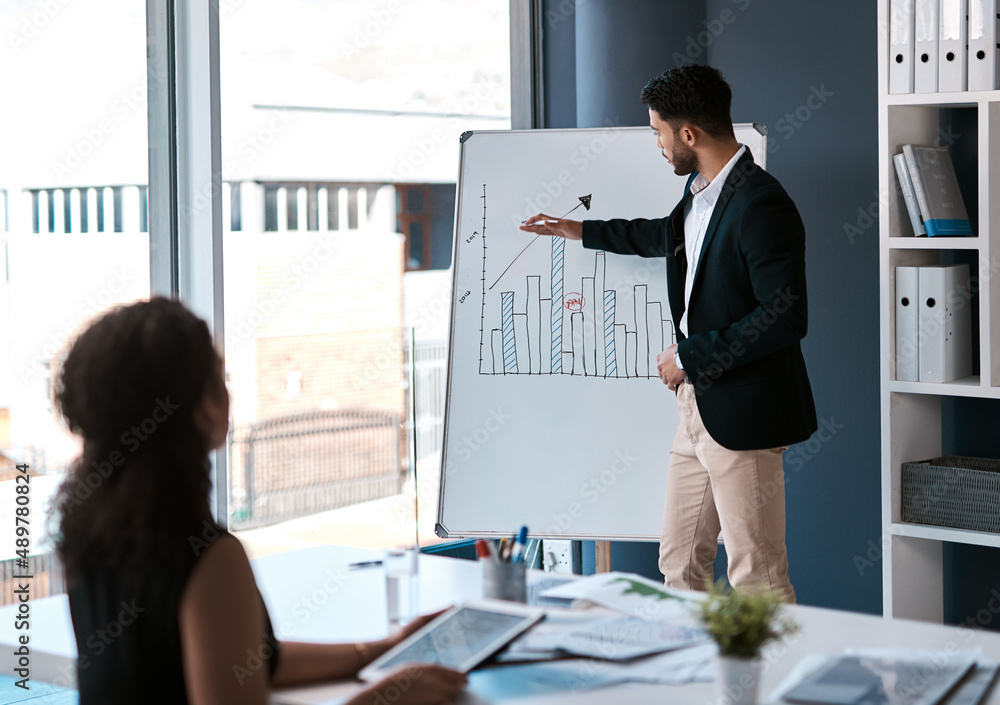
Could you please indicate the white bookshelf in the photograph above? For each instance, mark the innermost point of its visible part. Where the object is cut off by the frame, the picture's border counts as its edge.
(911, 411)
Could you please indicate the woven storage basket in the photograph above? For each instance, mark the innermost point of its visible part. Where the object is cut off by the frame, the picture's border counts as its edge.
(953, 490)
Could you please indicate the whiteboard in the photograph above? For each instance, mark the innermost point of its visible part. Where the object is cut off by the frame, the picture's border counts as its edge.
(555, 417)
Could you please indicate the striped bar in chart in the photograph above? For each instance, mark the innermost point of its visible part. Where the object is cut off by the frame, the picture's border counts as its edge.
(610, 343)
(558, 249)
(507, 322)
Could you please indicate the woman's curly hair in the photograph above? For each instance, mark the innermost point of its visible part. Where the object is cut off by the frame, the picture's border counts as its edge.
(130, 386)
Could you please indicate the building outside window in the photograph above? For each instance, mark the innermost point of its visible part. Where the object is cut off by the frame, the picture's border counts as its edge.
(74, 238)
(340, 150)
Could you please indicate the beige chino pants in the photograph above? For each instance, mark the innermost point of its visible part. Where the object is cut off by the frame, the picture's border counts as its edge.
(741, 492)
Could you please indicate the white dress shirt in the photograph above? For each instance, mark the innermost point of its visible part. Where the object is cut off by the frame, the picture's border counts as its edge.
(697, 214)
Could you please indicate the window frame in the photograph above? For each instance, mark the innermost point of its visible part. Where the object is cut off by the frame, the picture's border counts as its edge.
(526, 85)
(406, 218)
(185, 173)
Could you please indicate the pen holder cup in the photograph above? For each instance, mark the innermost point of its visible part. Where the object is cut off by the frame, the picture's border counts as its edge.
(505, 581)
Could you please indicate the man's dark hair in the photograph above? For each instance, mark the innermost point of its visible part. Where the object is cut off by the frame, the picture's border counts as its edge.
(696, 95)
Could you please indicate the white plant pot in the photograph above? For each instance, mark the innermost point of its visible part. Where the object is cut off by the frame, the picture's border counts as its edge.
(737, 679)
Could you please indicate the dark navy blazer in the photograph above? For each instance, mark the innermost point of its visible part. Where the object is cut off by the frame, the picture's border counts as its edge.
(748, 306)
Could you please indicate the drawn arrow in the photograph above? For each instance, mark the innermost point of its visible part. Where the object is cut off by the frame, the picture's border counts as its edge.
(584, 201)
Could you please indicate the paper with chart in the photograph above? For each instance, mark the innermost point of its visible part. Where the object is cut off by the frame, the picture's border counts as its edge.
(629, 594)
(556, 416)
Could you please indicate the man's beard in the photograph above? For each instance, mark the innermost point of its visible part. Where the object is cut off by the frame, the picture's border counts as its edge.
(685, 160)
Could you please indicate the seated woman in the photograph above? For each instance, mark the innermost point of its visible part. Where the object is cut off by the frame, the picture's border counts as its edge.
(160, 618)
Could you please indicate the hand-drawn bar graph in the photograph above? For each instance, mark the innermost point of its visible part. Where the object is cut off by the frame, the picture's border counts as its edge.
(580, 329)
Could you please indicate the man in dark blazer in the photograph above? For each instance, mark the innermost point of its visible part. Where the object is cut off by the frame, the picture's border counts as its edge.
(735, 255)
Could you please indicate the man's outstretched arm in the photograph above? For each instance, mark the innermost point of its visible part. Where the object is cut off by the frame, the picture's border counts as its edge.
(640, 236)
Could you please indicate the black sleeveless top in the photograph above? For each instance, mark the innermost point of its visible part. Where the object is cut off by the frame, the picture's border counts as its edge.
(128, 634)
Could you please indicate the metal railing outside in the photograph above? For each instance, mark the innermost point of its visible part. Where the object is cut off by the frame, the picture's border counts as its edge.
(300, 464)
(46, 580)
(427, 362)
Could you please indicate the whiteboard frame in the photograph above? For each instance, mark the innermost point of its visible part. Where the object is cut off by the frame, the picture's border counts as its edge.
(760, 157)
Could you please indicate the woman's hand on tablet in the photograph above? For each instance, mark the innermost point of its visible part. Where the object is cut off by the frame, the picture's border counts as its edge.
(416, 684)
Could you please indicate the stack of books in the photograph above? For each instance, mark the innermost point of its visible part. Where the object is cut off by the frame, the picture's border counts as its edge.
(930, 189)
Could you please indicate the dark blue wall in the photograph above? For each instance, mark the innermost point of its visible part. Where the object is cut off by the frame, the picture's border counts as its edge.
(816, 92)
(559, 67)
(620, 46)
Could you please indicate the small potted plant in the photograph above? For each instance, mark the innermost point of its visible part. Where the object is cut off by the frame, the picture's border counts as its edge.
(740, 622)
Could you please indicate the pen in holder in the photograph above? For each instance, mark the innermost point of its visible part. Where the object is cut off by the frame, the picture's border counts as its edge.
(505, 581)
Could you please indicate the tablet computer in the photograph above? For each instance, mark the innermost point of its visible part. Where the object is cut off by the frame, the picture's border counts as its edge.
(461, 638)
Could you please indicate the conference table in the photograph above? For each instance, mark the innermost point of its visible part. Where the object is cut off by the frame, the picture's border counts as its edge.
(314, 594)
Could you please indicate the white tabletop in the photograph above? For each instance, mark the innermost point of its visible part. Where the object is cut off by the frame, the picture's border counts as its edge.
(312, 595)
(823, 631)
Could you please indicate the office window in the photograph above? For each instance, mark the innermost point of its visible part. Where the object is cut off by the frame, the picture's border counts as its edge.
(319, 206)
(73, 225)
(413, 220)
(340, 129)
